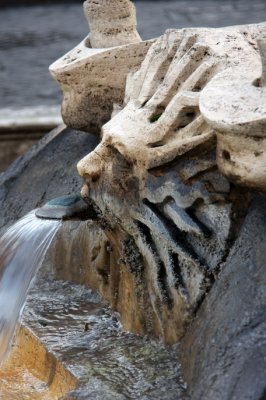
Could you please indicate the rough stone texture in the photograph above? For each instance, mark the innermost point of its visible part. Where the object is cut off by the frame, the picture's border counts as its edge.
(46, 171)
(224, 350)
(22, 377)
(163, 96)
(93, 75)
(93, 79)
(174, 240)
(12, 147)
(112, 23)
(234, 104)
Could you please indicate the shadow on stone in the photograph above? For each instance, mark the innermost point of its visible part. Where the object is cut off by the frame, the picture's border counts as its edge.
(223, 352)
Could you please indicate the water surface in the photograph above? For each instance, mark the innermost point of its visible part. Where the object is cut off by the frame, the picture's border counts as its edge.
(77, 327)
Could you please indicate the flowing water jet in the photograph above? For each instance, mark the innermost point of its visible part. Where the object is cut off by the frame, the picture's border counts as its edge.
(22, 250)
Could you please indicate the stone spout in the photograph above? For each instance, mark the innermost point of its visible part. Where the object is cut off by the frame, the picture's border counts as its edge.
(112, 23)
(67, 207)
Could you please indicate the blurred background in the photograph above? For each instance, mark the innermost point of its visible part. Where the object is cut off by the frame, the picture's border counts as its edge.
(35, 33)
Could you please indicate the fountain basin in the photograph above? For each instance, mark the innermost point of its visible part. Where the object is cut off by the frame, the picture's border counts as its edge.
(211, 342)
(72, 346)
(31, 372)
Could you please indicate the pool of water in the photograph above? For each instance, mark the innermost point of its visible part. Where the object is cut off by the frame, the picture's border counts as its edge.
(80, 331)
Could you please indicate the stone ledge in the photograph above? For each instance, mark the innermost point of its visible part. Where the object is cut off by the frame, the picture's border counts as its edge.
(38, 118)
(22, 128)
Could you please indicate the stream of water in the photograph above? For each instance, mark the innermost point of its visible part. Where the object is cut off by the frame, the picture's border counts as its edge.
(76, 326)
(22, 250)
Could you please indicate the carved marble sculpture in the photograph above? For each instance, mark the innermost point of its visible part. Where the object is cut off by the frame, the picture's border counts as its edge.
(193, 119)
(93, 74)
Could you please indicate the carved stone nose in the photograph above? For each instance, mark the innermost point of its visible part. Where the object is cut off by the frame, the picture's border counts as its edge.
(91, 166)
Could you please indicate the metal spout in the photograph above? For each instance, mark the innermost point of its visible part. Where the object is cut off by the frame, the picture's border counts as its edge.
(67, 207)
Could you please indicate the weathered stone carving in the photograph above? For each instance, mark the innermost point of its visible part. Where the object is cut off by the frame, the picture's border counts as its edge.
(234, 104)
(163, 203)
(154, 174)
(93, 74)
(112, 23)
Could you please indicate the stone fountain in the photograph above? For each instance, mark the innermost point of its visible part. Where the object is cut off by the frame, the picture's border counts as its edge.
(170, 134)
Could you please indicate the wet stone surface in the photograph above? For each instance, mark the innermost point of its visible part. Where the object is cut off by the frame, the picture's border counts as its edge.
(73, 324)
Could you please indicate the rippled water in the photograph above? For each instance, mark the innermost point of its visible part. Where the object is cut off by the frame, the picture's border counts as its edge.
(76, 326)
(22, 249)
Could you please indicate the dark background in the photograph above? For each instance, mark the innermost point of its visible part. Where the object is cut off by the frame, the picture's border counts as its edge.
(33, 36)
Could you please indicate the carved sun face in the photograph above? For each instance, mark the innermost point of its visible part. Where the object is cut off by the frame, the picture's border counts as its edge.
(154, 172)
(161, 119)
